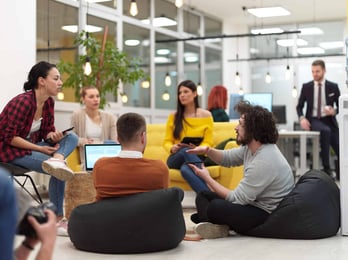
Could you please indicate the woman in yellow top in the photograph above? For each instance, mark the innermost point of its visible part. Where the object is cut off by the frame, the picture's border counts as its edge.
(187, 121)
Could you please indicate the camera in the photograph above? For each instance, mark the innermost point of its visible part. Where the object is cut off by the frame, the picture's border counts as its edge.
(39, 214)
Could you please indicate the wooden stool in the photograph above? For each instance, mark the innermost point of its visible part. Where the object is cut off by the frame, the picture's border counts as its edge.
(79, 190)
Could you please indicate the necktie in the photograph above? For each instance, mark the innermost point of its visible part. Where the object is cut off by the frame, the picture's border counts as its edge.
(319, 101)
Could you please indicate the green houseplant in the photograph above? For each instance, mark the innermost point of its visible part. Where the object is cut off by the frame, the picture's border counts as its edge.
(110, 66)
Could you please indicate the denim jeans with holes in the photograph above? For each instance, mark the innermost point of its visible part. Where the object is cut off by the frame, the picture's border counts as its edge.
(34, 160)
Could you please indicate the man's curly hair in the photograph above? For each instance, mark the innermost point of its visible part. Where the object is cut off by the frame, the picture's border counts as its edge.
(259, 123)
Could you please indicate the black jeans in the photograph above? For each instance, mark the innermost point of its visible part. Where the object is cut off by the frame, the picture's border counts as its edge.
(240, 218)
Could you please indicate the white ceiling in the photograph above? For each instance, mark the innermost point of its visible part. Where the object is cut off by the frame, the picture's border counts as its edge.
(302, 11)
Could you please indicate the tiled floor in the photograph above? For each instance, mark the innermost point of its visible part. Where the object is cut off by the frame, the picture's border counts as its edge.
(233, 247)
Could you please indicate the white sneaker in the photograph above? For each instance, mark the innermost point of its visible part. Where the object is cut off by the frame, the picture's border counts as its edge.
(209, 230)
(58, 169)
(62, 228)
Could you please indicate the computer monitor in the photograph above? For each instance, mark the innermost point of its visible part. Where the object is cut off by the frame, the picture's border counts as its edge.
(279, 112)
(260, 99)
(234, 99)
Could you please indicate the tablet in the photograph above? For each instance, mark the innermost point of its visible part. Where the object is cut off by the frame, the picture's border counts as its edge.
(192, 140)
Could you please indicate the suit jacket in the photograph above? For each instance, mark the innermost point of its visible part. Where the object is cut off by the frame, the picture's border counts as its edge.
(332, 93)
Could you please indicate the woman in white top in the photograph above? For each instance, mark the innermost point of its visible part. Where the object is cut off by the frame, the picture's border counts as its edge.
(92, 125)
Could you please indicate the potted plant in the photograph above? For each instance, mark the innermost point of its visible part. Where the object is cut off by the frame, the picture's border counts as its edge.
(109, 67)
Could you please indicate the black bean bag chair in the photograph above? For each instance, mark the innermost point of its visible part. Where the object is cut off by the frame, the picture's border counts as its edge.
(144, 222)
(310, 211)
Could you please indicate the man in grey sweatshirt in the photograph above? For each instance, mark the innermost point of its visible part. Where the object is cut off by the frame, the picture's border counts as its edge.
(267, 177)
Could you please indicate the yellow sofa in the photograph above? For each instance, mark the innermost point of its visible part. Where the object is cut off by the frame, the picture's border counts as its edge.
(229, 177)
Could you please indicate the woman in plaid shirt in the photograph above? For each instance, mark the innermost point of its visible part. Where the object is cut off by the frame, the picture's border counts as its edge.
(27, 121)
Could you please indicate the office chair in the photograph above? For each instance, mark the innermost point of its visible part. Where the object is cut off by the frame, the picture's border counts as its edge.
(18, 172)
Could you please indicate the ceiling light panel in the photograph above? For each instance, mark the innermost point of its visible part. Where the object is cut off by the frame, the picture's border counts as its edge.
(268, 11)
(160, 22)
(331, 45)
(310, 51)
(291, 42)
(267, 31)
(311, 31)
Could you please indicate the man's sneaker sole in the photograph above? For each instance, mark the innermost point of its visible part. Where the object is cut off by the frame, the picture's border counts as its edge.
(60, 173)
(208, 230)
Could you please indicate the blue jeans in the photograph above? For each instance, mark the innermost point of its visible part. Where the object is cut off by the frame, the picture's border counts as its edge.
(34, 160)
(8, 215)
(177, 161)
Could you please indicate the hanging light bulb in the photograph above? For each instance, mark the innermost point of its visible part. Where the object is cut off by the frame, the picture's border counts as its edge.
(287, 72)
(145, 84)
(268, 78)
(199, 89)
(294, 92)
(240, 91)
(167, 80)
(60, 96)
(87, 68)
(165, 95)
(124, 98)
(237, 79)
(179, 3)
(133, 9)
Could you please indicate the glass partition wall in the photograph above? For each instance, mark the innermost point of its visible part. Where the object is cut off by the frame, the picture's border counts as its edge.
(153, 36)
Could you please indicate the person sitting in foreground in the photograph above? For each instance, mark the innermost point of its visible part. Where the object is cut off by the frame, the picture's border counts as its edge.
(129, 173)
(9, 213)
(28, 137)
(267, 177)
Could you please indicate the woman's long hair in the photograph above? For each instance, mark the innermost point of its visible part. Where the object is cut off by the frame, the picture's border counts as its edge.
(180, 109)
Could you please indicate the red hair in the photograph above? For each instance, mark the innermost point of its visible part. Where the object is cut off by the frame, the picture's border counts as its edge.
(217, 97)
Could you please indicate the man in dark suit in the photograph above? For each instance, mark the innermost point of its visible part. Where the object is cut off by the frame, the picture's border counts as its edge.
(321, 98)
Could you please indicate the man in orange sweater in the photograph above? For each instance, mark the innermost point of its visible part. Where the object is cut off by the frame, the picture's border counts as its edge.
(129, 173)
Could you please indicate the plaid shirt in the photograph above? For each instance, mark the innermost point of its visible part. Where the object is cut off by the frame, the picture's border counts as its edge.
(16, 120)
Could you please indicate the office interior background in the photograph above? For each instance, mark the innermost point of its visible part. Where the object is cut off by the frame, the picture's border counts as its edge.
(223, 43)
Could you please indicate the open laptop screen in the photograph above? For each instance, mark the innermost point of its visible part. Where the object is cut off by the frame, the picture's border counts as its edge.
(95, 151)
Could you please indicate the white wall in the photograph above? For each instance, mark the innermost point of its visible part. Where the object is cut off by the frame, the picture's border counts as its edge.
(18, 46)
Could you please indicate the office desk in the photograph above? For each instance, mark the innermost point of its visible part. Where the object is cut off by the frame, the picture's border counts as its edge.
(303, 136)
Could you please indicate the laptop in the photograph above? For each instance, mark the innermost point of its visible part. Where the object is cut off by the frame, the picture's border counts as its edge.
(95, 151)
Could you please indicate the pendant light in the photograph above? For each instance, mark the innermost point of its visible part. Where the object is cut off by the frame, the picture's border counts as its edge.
(179, 3)
(268, 77)
(287, 72)
(87, 68)
(133, 8)
(124, 97)
(145, 83)
(237, 79)
(167, 80)
(165, 95)
(199, 89)
(294, 89)
(241, 91)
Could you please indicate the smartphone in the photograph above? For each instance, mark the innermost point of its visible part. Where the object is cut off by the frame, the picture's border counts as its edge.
(49, 140)
(67, 130)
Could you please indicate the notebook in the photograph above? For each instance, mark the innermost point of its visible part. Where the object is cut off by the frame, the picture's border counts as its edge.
(95, 151)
